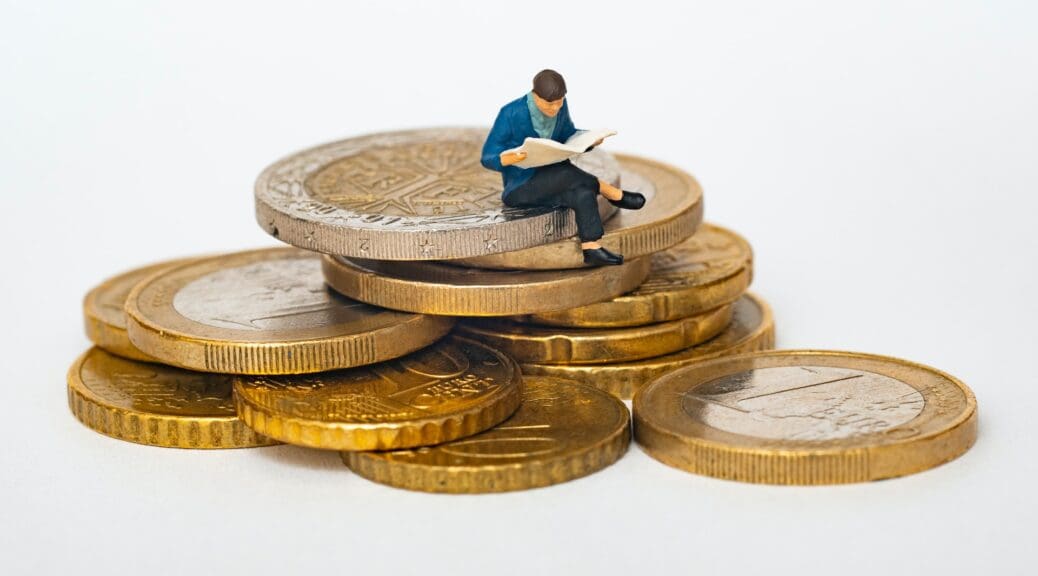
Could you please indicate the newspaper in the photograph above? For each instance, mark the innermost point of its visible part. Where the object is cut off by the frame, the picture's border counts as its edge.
(544, 151)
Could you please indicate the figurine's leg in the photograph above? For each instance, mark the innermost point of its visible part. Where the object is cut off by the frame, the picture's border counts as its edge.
(616, 196)
(581, 197)
(609, 191)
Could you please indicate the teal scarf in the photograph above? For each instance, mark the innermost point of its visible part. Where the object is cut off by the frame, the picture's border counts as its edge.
(543, 125)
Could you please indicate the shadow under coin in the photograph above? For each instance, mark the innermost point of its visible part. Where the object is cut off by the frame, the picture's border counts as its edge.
(303, 457)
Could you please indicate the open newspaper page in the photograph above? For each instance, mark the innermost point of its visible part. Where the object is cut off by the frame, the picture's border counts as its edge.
(544, 151)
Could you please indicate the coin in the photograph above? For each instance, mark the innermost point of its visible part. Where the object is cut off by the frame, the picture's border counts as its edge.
(156, 405)
(410, 195)
(752, 328)
(103, 313)
(562, 430)
(454, 388)
(805, 417)
(672, 212)
(549, 345)
(710, 269)
(265, 312)
(437, 288)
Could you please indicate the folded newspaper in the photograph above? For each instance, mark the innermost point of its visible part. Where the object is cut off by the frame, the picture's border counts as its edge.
(544, 151)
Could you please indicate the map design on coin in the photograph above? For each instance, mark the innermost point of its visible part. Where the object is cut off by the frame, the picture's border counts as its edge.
(809, 403)
(282, 294)
(412, 195)
(805, 417)
(428, 179)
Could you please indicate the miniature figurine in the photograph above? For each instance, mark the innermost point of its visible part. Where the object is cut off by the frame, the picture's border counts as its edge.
(543, 113)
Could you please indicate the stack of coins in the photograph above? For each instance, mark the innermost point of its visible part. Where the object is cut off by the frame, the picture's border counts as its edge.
(437, 339)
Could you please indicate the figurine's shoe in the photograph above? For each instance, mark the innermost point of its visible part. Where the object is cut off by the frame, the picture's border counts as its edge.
(602, 257)
(630, 201)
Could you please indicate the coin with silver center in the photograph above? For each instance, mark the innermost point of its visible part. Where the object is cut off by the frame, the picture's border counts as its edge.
(266, 312)
(805, 417)
(672, 212)
(409, 195)
(104, 315)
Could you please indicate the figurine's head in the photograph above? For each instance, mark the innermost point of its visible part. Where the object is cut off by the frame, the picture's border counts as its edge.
(549, 92)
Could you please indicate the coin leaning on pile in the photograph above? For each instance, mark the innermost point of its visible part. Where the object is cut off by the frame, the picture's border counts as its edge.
(345, 342)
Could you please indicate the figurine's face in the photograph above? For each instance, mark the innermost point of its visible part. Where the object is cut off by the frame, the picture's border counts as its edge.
(548, 107)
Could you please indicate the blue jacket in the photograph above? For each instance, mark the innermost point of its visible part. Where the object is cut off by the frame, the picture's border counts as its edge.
(511, 128)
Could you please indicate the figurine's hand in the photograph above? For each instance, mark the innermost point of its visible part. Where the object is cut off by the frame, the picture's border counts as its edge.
(509, 158)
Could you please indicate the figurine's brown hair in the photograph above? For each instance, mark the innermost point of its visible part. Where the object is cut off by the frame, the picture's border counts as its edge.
(548, 84)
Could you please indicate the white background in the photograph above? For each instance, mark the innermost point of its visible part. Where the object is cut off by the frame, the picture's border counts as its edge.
(881, 157)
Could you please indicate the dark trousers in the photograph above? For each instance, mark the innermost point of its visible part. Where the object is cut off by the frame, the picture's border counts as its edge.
(563, 184)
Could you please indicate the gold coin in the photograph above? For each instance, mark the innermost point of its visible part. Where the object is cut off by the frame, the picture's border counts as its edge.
(156, 405)
(436, 288)
(563, 430)
(752, 328)
(805, 417)
(265, 312)
(710, 269)
(547, 345)
(454, 388)
(103, 313)
(672, 212)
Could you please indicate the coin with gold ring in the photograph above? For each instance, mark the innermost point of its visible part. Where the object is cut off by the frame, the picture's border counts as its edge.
(454, 388)
(156, 405)
(563, 430)
(551, 345)
(438, 288)
(672, 212)
(710, 269)
(408, 195)
(805, 417)
(752, 328)
(103, 314)
(266, 312)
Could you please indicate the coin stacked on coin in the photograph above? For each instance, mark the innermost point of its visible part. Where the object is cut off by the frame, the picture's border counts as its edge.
(436, 338)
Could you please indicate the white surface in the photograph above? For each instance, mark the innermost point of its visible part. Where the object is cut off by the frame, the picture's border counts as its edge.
(880, 157)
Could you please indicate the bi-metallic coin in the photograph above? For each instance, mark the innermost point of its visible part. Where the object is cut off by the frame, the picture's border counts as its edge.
(805, 417)
(266, 312)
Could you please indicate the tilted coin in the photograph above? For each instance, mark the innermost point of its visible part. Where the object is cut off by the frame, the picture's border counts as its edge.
(805, 417)
(156, 405)
(436, 288)
(454, 388)
(265, 312)
(410, 195)
(549, 345)
(710, 269)
(103, 313)
(752, 328)
(672, 212)
(563, 430)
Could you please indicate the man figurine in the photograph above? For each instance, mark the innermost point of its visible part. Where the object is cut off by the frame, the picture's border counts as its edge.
(543, 113)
